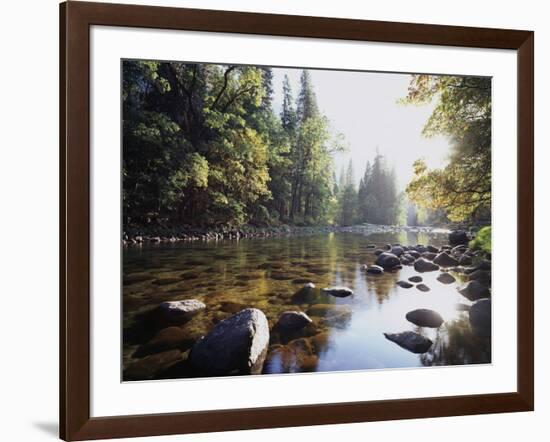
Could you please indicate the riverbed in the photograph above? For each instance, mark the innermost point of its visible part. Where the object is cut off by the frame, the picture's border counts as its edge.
(267, 273)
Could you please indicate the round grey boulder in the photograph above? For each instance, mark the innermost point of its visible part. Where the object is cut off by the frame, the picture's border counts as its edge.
(423, 265)
(291, 320)
(409, 340)
(424, 317)
(474, 290)
(236, 345)
(387, 260)
(397, 250)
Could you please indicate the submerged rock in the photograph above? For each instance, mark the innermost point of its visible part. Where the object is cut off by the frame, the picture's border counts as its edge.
(411, 341)
(178, 312)
(422, 287)
(387, 260)
(169, 338)
(236, 345)
(423, 265)
(404, 284)
(424, 317)
(292, 320)
(445, 260)
(151, 366)
(306, 294)
(446, 278)
(474, 290)
(432, 249)
(339, 292)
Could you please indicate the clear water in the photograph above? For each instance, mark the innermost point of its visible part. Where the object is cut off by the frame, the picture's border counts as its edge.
(347, 333)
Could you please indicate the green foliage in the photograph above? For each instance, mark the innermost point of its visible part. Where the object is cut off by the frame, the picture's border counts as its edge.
(462, 189)
(482, 241)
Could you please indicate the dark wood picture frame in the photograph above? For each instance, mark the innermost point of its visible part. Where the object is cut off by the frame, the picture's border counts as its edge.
(75, 21)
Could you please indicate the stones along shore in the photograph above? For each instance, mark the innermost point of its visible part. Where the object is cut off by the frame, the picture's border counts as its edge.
(159, 234)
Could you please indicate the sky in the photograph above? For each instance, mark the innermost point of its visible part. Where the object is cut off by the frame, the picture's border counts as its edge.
(363, 107)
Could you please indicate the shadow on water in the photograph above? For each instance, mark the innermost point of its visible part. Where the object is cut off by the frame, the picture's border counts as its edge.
(269, 274)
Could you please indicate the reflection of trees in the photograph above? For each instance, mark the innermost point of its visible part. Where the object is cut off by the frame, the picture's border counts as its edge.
(382, 285)
(456, 344)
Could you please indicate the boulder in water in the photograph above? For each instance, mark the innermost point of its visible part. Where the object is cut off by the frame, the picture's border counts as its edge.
(423, 265)
(446, 278)
(457, 237)
(178, 312)
(236, 345)
(414, 342)
(387, 260)
(424, 317)
(404, 284)
(474, 290)
(291, 320)
(445, 260)
(339, 292)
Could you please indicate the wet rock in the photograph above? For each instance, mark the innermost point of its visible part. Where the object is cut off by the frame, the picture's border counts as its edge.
(432, 249)
(484, 265)
(407, 259)
(480, 317)
(429, 255)
(422, 287)
(397, 250)
(387, 260)
(445, 260)
(404, 284)
(459, 250)
(423, 265)
(169, 338)
(375, 270)
(457, 237)
(178, 312)
(236, 345)
(339, 292)
(151, 366)
(465, 260)
(411, 341)
(474, 290)
(292, 320)
(446, 278)
(371, 246)
(415, 279)
(378, 252)
(424, 317)
(301, 281)
(481, 276)
(414, 254)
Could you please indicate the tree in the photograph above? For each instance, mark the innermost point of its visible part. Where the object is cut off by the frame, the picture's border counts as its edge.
(348, 198)
(462, 189)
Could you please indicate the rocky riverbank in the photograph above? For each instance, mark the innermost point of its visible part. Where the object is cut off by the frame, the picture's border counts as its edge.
(160, 234)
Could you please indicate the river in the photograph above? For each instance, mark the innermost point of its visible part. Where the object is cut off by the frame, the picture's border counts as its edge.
(347, 333)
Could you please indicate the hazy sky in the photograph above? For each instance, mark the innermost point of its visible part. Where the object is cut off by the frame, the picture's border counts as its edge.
(363, 107)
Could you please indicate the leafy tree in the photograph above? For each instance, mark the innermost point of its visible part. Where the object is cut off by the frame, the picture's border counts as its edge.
(462, 189)
(348, 198)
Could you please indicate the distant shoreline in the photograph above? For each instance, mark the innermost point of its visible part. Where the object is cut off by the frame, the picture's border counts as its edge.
(152, 235)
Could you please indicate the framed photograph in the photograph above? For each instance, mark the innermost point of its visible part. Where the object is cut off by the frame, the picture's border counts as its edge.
(272, 221)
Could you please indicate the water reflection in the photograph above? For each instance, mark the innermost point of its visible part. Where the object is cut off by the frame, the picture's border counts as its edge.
(346, 334)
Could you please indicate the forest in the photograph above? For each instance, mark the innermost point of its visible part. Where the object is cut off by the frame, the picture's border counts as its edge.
(203, 146)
